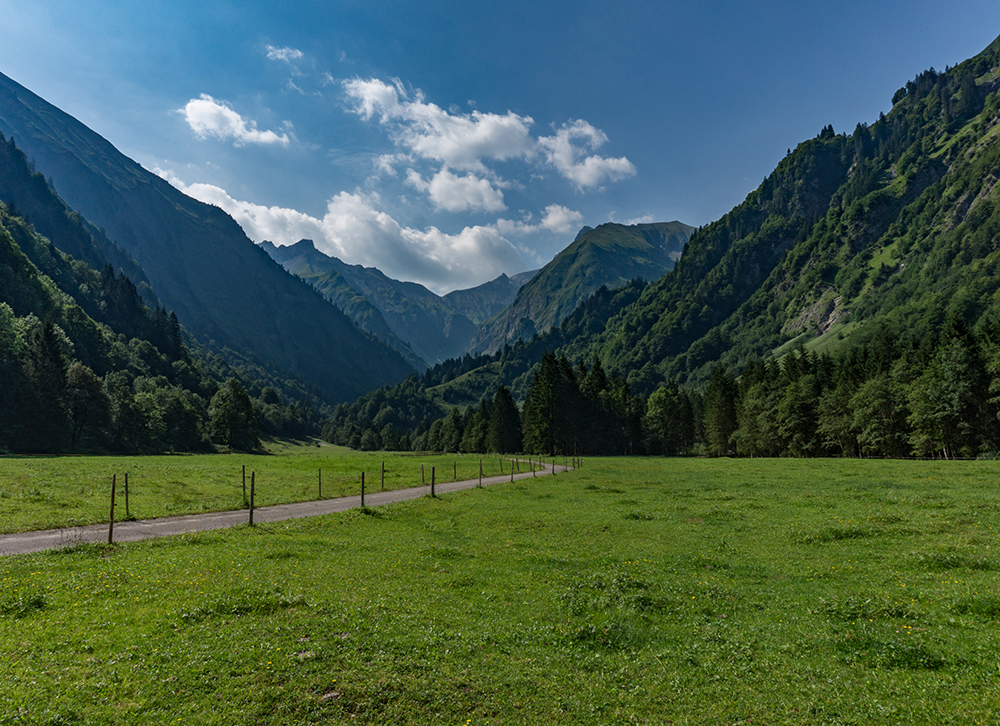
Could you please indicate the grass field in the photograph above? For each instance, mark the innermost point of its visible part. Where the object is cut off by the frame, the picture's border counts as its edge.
(654, 591)
(41, 492)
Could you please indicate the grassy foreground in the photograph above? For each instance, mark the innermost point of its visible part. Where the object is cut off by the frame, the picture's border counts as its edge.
(632, 591)
(41, 492)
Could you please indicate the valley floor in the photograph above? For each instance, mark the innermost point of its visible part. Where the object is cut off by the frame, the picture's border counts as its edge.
(650, 591)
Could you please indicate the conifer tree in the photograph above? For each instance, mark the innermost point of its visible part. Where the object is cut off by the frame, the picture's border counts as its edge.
(504, 434)
(719, 415)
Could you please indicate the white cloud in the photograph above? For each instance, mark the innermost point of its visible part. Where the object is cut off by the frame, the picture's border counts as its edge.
(208, 117)
(644, 219)
(458, 193)
(561, 220)
(459, 141)
(283, 54)
(386, 163)
(354, 230)
(557, 219)
(468, 142)
(573, 141)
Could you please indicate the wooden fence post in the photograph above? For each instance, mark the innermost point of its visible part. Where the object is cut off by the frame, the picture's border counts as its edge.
(480, 472)
(533, 468)
(423, 481)
(319, 479)
(432, 481)
(111, 523)
(251, 496)
(512, 470)
(127, 515)
(383, 474)
(244, 483)
(362, 490)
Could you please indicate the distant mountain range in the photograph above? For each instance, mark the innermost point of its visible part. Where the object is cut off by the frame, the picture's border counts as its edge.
(608, 256)
(195, 261)
(427, 328)
(224, 289)
(424, 327)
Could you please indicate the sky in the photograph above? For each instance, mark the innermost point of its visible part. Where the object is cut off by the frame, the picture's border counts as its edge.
(449, 142)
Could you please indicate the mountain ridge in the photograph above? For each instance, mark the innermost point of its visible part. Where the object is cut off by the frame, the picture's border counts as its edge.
(227, 291)
(406, 315)
(609, 255)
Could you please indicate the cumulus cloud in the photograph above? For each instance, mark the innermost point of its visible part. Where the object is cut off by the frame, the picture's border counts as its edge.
(644, 219)
(567, 150)
(468, 142)
(209, 117)
(560, 219)
(557, 219)
(356, 231)
(458, 193)
(459, 141)
(283, 54)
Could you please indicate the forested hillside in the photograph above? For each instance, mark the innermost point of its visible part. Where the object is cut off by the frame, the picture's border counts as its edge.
(894, 222)
(87, 365)
(225, 290)
(865, 262)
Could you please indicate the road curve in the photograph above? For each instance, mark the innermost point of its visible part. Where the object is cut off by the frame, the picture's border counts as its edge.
(22, 543)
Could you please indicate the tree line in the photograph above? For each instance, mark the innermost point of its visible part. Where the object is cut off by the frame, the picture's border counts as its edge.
(936, 396)
(52, 402)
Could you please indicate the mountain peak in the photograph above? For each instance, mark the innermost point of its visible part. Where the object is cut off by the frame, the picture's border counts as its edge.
(610, 255)
(305, 244)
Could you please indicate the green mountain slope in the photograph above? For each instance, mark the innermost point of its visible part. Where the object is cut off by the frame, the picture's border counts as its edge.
(609, 256)
(56, 347)
(893, 225)
(224, 289)
(29, 195)
(87, 365)
(406, 315)
(880, 246)
(303, 260)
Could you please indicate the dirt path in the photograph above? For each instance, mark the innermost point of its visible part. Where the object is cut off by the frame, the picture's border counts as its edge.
(20, 543)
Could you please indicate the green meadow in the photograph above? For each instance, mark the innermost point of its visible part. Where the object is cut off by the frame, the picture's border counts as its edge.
(650, 591)
(39, 492)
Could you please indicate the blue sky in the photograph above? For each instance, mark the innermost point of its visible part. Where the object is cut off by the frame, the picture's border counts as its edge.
(446, 142)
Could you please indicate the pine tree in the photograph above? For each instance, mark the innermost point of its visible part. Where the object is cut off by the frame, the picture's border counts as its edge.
(47, 427)
(90, 409)
(720, 419)
(504, 433)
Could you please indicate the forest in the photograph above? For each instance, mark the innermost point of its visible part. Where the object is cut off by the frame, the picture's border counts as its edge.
(935, 396)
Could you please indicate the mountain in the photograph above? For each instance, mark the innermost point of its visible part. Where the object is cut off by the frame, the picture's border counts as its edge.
(865, 271)
(64, 326)
(405, 315)
(89, 364)
(27, 194)
(892, 227)
(225, 290)
(608, 256)
(482, 302)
